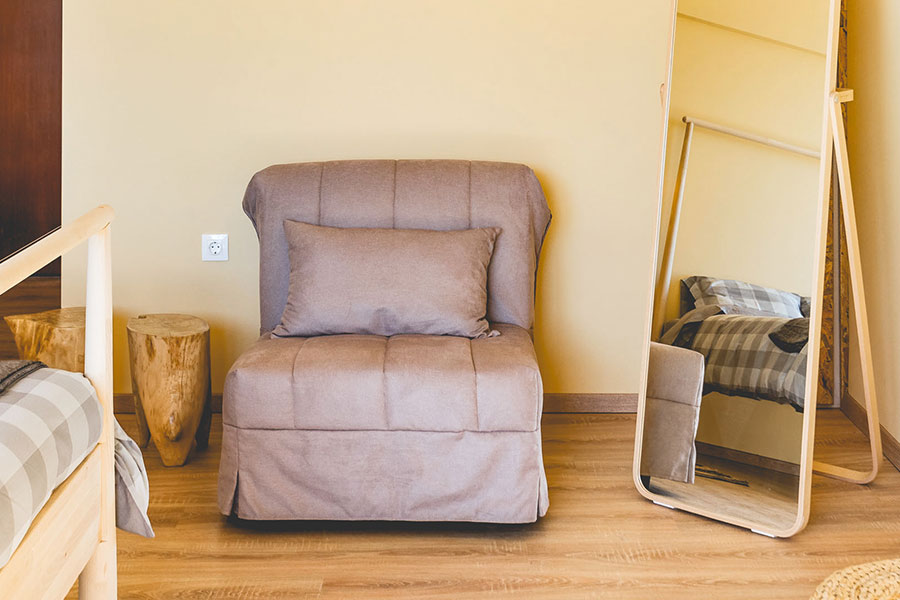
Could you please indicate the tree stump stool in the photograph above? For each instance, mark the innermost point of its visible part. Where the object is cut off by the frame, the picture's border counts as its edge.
(54, 337)
(171, 383)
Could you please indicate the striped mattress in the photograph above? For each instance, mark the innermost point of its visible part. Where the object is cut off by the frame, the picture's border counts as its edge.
(49, 422)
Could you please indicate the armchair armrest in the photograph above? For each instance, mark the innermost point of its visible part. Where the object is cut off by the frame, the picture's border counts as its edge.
(675, 374)
(674, 392)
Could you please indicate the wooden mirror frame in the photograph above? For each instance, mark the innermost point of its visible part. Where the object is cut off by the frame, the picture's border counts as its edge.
(809, 414)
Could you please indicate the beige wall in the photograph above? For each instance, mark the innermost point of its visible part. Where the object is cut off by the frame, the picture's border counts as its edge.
(798, 23)
(169, 107)
(874, 139)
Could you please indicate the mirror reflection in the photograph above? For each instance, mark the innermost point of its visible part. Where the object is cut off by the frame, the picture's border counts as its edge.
(728, 368)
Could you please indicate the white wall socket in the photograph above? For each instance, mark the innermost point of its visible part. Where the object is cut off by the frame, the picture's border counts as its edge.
(214, 246)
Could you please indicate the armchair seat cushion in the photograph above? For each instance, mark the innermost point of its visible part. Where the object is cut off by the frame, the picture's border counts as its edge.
(397, 383)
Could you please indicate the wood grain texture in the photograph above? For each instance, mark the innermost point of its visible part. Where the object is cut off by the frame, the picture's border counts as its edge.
(600, 540)
(857, 415)
(35, 294)
(860, 314)
(170, 375)
(98, 579)
(590, 403)
(768, 499)
(30, 122)
(836, 343)
(60, 540)
(54, 337)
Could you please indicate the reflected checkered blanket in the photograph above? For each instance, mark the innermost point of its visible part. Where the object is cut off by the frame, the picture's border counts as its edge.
(741, 359)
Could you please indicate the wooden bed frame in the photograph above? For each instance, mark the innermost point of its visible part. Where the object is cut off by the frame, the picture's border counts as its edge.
(74, 535)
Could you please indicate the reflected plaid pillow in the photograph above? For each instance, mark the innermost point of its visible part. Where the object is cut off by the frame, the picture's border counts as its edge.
(743, 298)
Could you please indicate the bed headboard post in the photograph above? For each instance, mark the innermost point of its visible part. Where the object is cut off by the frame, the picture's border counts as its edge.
(100, 572)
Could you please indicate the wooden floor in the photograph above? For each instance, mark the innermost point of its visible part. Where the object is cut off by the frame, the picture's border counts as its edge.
(599, 540)
(762, 496)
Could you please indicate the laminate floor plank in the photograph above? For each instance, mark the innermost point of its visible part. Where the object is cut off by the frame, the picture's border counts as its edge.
(600, 539)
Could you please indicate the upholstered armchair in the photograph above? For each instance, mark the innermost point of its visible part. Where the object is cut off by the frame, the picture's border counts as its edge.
(391, 427)
(672, 413)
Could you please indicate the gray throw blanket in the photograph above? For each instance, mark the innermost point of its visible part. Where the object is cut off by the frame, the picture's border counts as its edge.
(12, 371)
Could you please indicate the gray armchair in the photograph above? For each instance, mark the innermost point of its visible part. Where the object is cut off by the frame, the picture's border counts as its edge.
(672, 413)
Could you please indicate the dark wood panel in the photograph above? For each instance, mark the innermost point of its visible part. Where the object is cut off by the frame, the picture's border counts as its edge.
(32, 295)
(30, 122)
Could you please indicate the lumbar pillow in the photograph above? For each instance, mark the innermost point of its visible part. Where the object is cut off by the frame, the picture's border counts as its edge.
(386, 281)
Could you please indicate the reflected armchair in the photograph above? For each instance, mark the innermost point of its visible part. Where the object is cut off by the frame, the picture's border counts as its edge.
(674, 392)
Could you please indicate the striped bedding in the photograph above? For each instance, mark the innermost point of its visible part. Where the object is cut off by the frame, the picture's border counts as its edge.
(49, 422)
(742, 360)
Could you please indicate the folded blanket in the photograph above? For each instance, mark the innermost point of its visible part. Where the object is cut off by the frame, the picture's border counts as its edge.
(12, 371)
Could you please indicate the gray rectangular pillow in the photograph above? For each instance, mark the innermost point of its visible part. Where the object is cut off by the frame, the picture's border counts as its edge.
(386, 281)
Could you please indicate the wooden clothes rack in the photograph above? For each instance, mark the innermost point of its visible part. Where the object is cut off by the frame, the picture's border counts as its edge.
(661, 293)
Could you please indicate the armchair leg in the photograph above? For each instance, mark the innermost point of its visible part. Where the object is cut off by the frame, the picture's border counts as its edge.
(98, 581)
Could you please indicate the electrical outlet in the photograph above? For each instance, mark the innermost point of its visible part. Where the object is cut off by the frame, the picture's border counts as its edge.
(214, 246)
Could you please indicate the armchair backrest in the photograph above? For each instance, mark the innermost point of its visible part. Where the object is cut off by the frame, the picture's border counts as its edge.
(405, 194)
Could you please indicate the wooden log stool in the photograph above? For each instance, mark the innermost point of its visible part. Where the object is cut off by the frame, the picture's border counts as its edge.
(171, 383)
(54, 337)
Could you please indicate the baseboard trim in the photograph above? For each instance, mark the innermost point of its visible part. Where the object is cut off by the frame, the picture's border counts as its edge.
(747, 458)
(627, 403)
(123, 404)
(553, 403)
(857, 415)
(590, 403)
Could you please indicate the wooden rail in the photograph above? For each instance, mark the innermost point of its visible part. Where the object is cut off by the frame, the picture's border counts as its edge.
(25, 263)
(752, 137)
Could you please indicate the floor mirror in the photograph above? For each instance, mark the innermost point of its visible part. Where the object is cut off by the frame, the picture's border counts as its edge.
(729, 388)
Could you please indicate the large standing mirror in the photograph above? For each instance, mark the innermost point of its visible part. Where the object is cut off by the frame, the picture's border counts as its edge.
(730, 371)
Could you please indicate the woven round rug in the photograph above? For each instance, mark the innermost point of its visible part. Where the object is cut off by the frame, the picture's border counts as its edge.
(871, 581)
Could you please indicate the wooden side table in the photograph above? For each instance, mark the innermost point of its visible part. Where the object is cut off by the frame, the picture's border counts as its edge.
(54, 337)
(171, 382)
